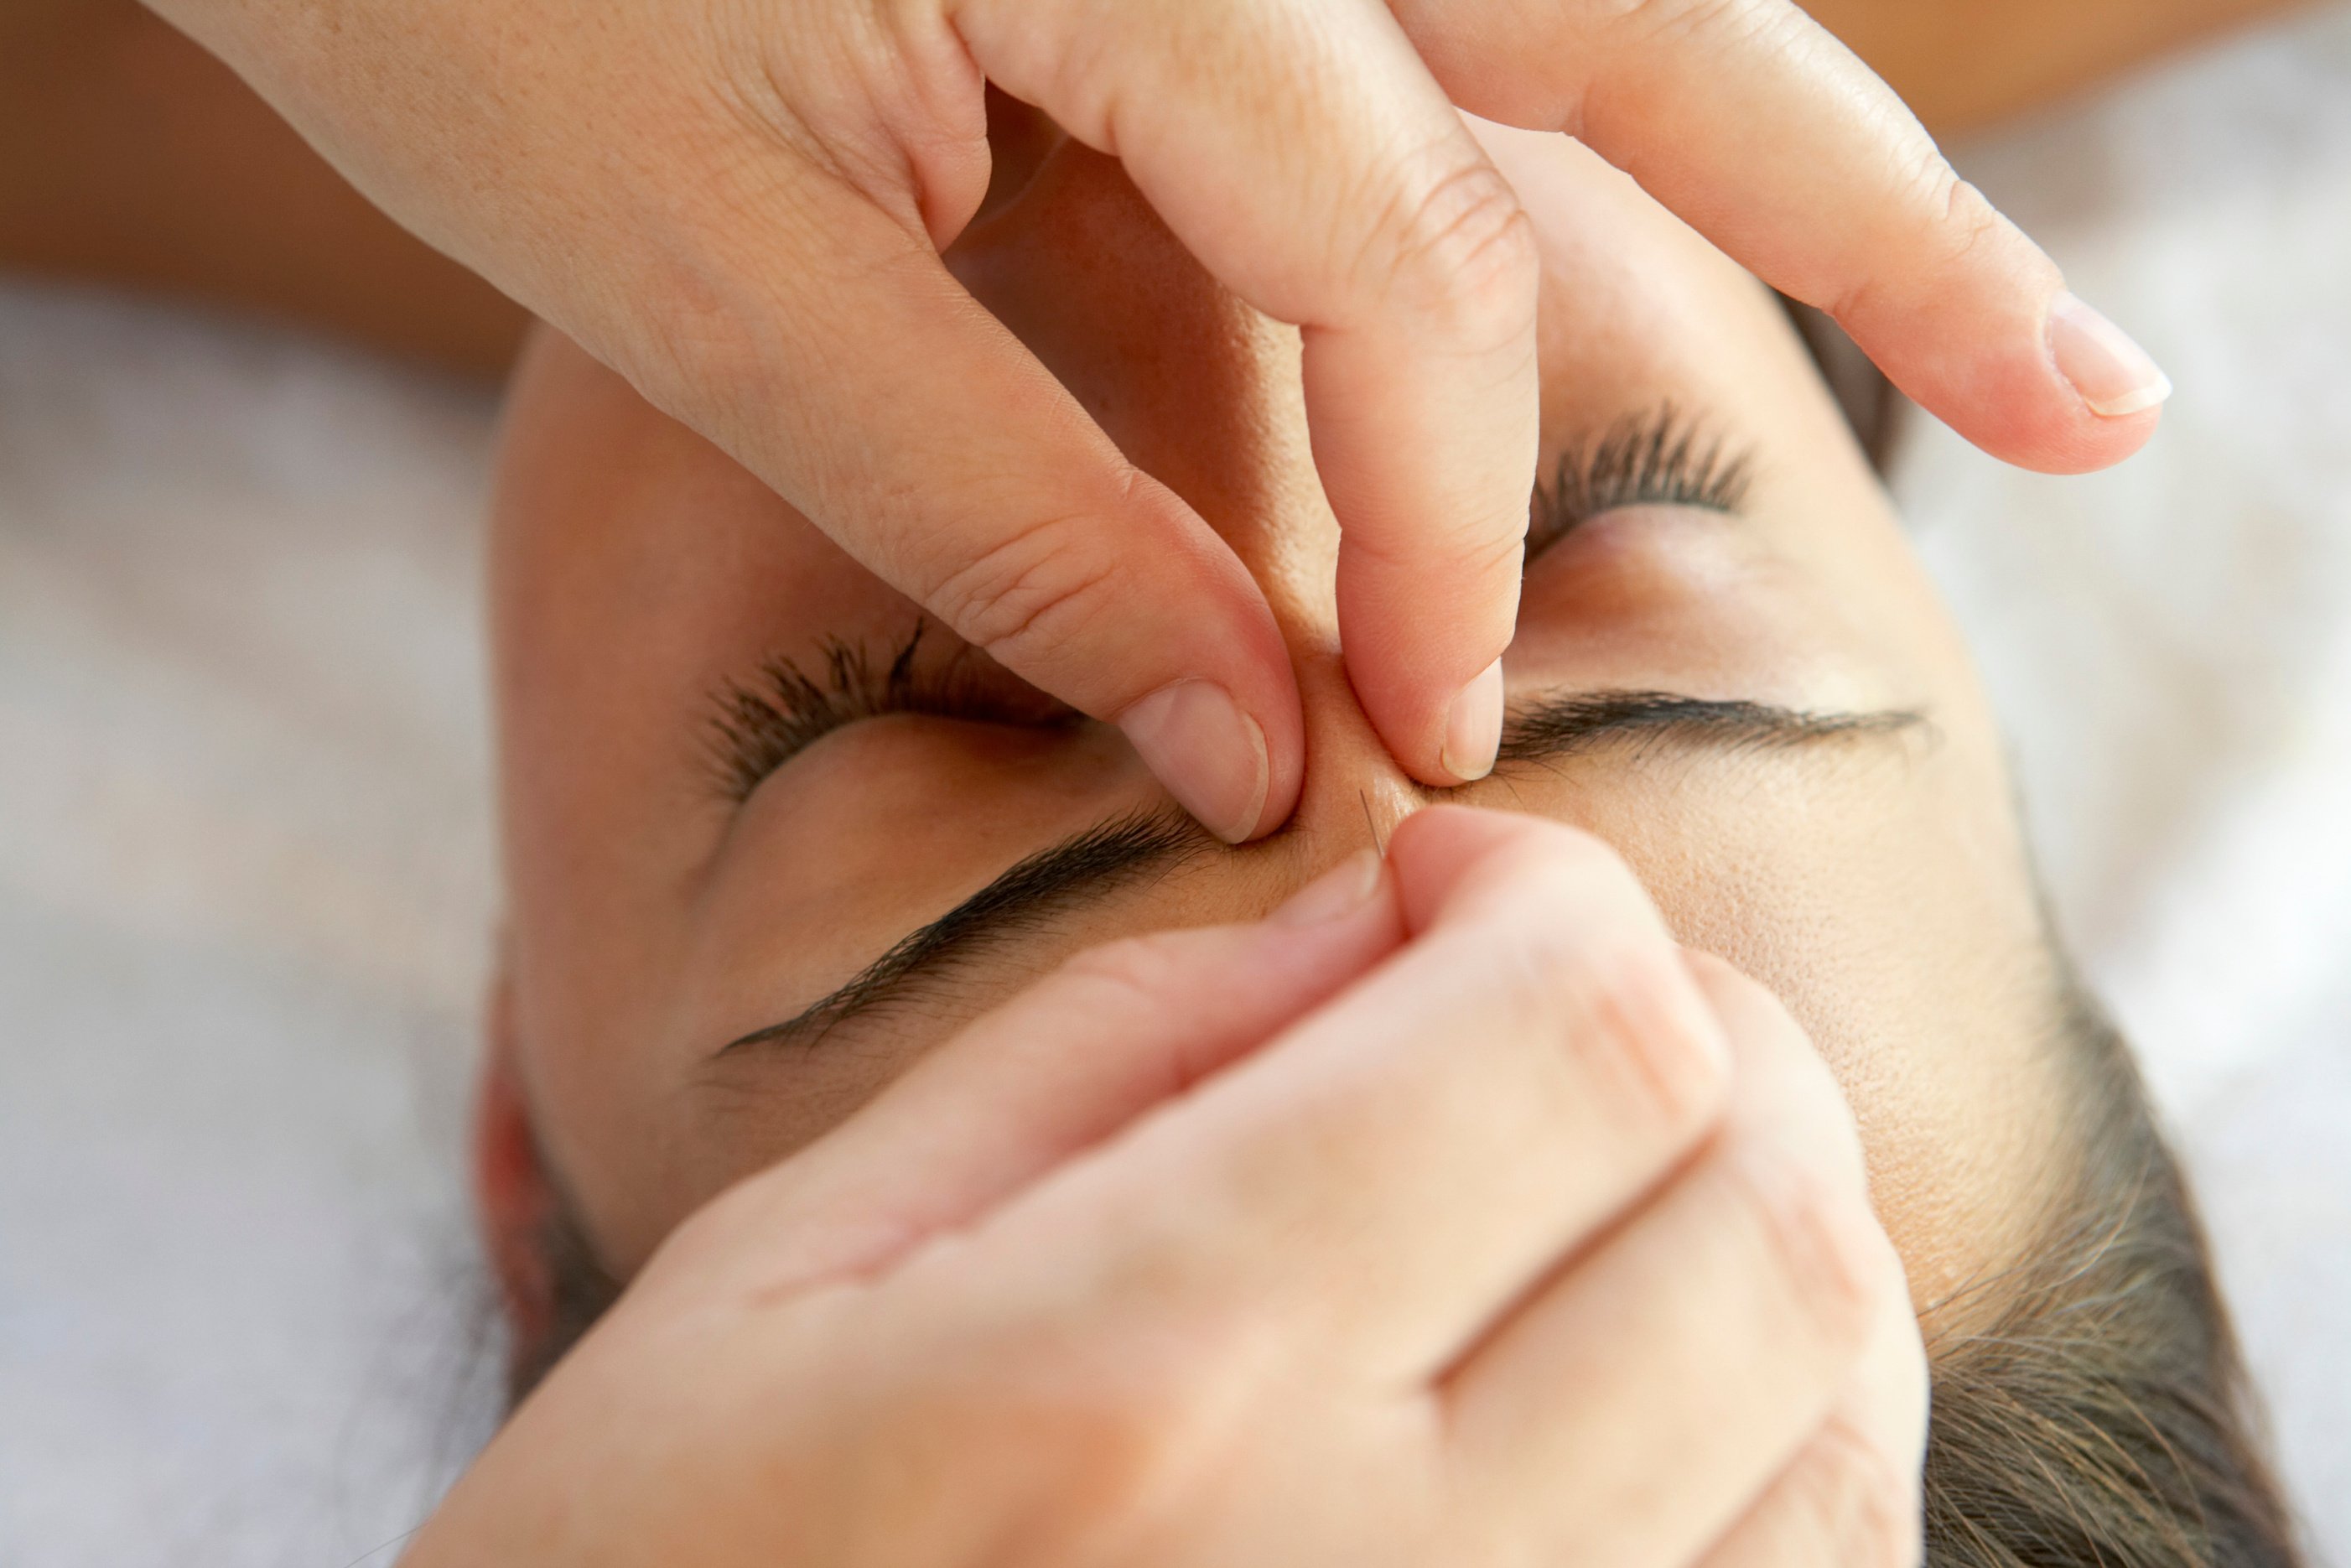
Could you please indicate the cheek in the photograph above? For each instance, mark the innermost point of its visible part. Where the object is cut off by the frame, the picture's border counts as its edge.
(587, 1047)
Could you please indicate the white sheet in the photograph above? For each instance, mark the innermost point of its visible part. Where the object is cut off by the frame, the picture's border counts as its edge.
(246, 886)
(2170, 647)
(245, 892)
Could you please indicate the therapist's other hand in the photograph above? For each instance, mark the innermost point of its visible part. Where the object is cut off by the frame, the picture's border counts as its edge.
(738, 205)
(1523, 1239)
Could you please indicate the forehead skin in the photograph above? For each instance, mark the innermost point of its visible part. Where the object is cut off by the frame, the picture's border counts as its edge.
(1875, 885)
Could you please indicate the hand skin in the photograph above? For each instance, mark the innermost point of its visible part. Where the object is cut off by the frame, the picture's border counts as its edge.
(723, 199)
(131, 155)
(1525, 1238)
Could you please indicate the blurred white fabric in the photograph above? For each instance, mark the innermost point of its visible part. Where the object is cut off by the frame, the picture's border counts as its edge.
(2170, 645)
(246, 890)
(247, 887)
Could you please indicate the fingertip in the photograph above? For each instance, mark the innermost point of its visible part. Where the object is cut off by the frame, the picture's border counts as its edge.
(1447, 833)
(1984, 334)
(1235, 773)
(1473, 727)
(1442, 737)
(2118, 390)
(2115, 377)
(1426, 667)
(2092, 445)
(2052, 429)
(1433, 851)
(1742, 1002)
(1337, 893)
(2069, 393)
(1285, 762)
(1210, 754)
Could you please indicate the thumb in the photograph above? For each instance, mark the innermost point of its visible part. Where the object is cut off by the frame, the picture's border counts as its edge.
(1115, 1032)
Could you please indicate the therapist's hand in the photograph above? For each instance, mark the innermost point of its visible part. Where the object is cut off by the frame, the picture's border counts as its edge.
(738, 205)
(1524, 1239)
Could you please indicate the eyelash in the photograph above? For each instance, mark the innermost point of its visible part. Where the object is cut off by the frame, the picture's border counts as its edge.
(759, 728)
(1656, 459)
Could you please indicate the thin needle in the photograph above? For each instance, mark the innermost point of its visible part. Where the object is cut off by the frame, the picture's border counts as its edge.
(1372, 822)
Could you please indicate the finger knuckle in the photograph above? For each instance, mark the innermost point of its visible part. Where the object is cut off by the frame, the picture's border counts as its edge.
(1630, 1004)
(1606, 1018)
(1957, 217)
(1726, 985)
(1592, 980)
(1943, 222)
(1813, 1109)
(1655, 24)
(1130, 1424)
(1466, 255)
(1771, 1044)
(1970, 223)
(1571, 854)
(1477, 545)
(1962, 218)
(1107, 1445)
(1856, 1502)
(1034, 594)
(1818, 1234)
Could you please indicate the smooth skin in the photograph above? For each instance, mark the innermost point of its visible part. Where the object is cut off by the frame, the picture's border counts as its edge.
(739, 205)
(1525, 1238)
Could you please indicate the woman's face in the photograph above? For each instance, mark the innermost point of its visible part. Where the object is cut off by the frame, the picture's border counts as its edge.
(740, 774)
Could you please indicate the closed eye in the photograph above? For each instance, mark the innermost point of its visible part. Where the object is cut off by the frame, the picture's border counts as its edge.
(1656, 459)
(760, 725)
(1659, 458)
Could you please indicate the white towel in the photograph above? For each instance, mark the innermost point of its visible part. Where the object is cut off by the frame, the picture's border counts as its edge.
(245, 901)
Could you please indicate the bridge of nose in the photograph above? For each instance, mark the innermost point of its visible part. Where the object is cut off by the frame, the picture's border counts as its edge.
(1194, 387)
(1204, 394)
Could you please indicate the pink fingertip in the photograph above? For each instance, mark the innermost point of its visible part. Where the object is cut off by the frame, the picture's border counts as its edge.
(2114, 376)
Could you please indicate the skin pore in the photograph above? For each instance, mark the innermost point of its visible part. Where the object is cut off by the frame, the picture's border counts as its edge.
(737, 777)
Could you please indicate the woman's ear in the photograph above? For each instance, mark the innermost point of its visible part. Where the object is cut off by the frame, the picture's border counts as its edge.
(514, 1199)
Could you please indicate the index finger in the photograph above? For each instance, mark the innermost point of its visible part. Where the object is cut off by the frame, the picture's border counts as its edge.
(1301, 150)
(1771, 138)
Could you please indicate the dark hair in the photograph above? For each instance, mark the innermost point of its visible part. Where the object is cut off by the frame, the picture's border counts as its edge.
(579, 1290)
(2099, 1417)
(2103, 1414)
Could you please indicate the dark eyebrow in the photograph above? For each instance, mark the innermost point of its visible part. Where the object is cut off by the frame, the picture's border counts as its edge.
(1565, 725)
(1088, 865)
(1117, 854)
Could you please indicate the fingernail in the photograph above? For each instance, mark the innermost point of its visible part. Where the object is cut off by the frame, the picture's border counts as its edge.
(1473, 727)
(1337, 893)
(1209, 754)
(2114, 376)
